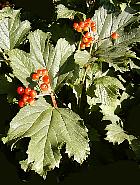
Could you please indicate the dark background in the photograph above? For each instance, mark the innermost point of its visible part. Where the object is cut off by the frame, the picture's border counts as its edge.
(120, 171)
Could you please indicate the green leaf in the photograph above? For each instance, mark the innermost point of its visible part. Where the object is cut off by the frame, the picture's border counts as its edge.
(81, 57)
(37, 41)
(64, 12)
(49, 129)
(63, 51)
(21, 65)
(105, 91)
(43, 55)
(117, 52)
(12, 30)
(116, 134)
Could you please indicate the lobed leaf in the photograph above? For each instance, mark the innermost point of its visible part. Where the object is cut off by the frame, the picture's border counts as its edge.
(116, 134)
(21, 65)
(12, 30)
(49, 129)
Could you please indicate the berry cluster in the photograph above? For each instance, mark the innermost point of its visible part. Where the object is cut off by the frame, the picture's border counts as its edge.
(27, 96)
(42, 76)
(89, 27)
(86, 25)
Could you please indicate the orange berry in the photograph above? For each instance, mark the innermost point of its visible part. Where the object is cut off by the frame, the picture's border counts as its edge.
(35, 76)
(25, 98)
(86, 28)
(33, 93)
(85, 39)
(81, 24)
(82, 45)
(44, 72)
(79, 29)
(75, 25)
(93, 28)
(115, 35)
(46, 79)
(31, 101)
(44, 87)
(87, 45)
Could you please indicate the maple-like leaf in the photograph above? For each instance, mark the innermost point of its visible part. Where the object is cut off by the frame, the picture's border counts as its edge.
(117, 53)
(42, 55)
(12, 31)
(104, 91)
(49, 129)
(116, 134)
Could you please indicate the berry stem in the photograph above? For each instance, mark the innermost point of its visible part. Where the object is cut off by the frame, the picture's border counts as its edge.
(53, 100)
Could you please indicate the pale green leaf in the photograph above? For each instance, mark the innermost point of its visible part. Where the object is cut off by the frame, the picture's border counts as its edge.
(64, 12)
(63, 51)
(21, 65)
(37, 41)
(81, 57)
(49, 129)
(116, 134)
(104, 91)
(12, 30)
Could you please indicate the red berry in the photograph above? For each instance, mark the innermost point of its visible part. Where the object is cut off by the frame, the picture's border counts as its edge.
(85, 39)
(44, 87)
(75, 25)
(115, 35)
(81, 24)
(87, 45)
(31, 101)
(46, 79)
(90, 40)
(35, 76)
(25, 98)
(88, 20)
(20, 90)
(33, 93)
(82, 45)
(21, 103)
(93, 24)
(88, 35)
(27, 91)
(44, 72)
(39, 72)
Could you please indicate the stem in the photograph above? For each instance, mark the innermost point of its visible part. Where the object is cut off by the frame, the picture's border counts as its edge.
(53, 100)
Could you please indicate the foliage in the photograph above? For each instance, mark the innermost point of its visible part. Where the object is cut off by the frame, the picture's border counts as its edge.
(82, 82)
